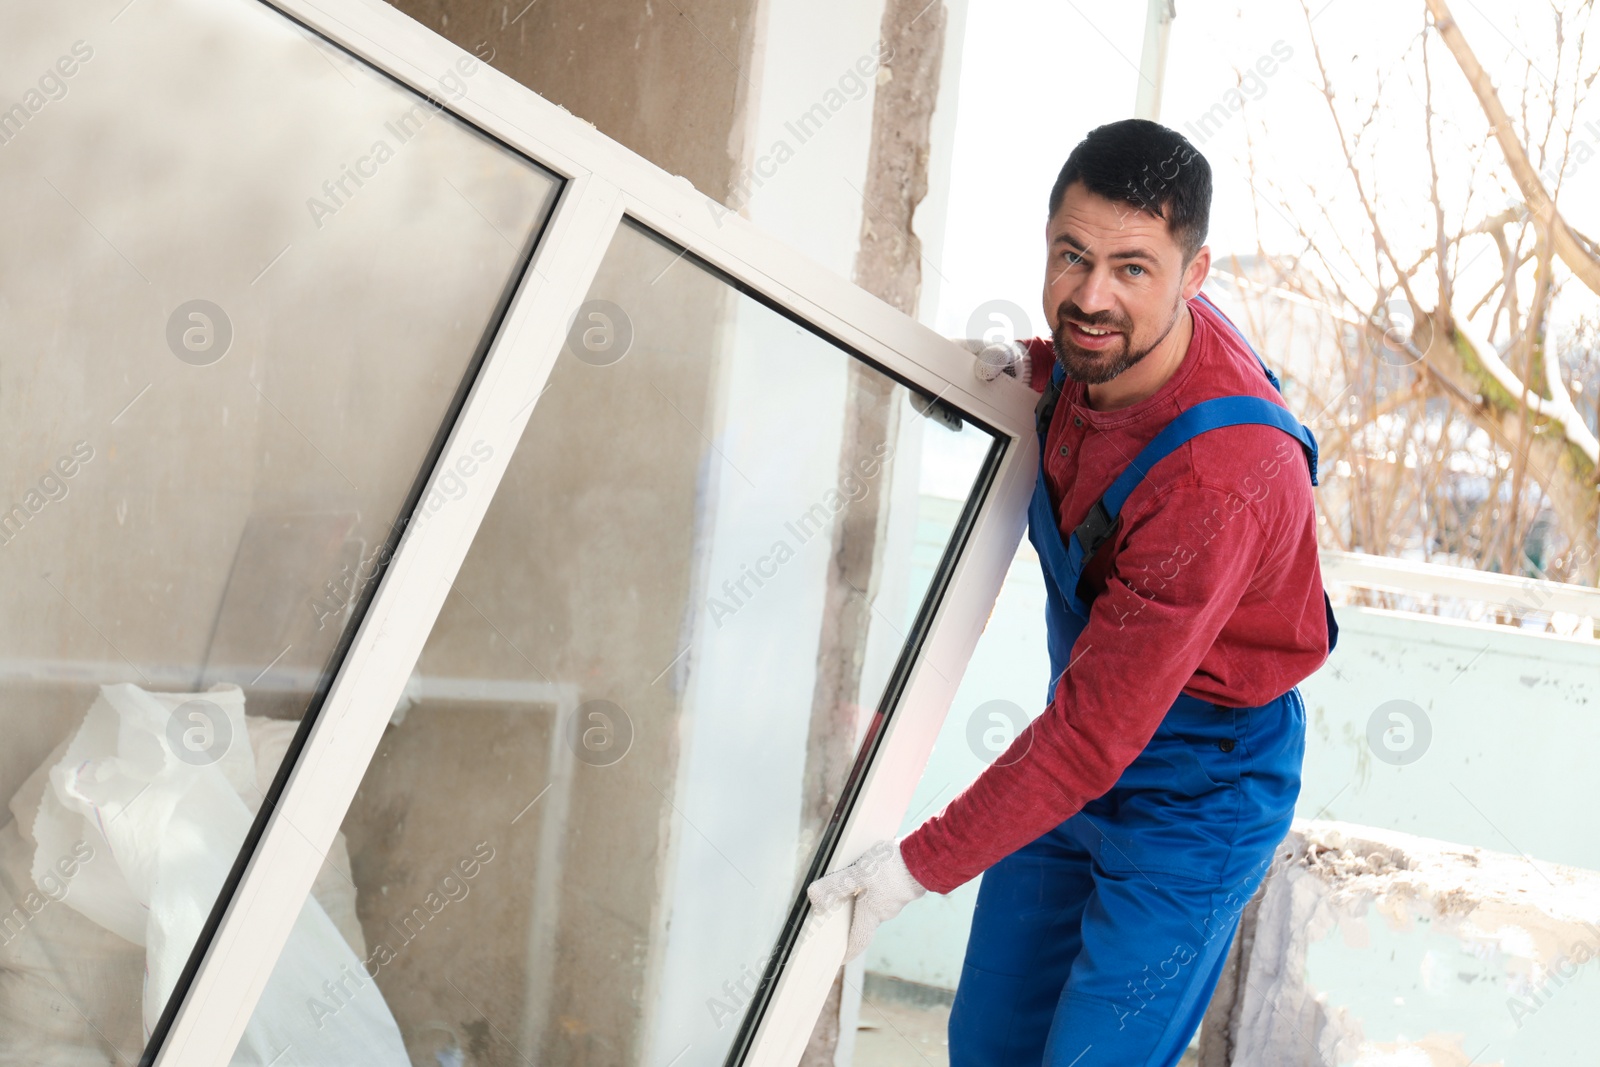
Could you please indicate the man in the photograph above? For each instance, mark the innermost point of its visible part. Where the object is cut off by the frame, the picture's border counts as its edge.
(1124, 829)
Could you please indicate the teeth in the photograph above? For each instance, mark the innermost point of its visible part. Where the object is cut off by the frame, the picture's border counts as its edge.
(1093, 333)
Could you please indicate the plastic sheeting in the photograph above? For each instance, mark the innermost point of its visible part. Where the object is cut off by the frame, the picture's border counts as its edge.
(139, 817)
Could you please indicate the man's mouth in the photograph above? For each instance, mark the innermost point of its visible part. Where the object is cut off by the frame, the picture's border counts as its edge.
(1091, 336)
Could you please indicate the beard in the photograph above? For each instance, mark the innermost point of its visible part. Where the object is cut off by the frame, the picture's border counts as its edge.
(1095, 367)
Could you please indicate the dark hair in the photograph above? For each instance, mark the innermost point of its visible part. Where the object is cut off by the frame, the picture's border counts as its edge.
(1147, 165)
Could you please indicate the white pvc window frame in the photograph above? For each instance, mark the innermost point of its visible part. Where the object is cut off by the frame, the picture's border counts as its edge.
(602, 182)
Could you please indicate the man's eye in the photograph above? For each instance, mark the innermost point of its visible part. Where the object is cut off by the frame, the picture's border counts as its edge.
(1135, 270)
(1072, 259)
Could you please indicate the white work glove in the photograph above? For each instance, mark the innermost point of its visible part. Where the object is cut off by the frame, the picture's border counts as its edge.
(994, 358)
(881, 886)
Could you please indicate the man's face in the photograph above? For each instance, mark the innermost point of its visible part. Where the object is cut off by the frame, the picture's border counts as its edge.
(1115, 282)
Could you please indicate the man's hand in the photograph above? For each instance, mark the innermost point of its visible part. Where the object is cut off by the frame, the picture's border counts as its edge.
(881, 886)
(994, 358)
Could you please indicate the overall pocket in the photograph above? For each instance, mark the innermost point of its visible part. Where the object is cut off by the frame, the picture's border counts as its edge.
(1219, 746)
(1176, 808)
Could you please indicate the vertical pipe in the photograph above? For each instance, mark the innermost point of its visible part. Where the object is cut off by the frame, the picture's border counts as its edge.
(1153, 59)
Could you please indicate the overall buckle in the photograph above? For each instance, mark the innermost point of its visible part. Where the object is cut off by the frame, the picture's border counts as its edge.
(1095, 528)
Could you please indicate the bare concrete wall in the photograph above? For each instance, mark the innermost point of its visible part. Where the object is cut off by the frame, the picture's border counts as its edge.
(668, 79)
(421, 829)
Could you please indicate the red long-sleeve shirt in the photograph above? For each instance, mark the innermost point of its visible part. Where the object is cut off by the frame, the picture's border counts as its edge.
(1214, 589)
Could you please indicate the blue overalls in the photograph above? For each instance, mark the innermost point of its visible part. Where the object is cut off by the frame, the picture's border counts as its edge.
(1099, 943)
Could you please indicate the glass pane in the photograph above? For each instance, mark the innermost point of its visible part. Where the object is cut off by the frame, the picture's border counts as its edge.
(243, 284)
(584, 828)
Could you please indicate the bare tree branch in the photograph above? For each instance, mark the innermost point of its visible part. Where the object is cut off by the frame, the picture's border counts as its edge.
(1580, 258)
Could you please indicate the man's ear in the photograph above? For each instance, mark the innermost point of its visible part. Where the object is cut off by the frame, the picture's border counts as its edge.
(1196, 271)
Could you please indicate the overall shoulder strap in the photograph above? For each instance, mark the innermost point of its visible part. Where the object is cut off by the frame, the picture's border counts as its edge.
(1207, 415)
(1046, 407)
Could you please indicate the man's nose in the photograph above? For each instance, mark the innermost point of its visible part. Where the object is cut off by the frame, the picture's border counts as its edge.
(1094, 292)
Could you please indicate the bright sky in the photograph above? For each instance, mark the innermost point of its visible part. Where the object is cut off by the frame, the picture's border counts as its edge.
(1039, 74)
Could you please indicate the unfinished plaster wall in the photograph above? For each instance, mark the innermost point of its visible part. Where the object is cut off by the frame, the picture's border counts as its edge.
(1385, 949)
(669, 80)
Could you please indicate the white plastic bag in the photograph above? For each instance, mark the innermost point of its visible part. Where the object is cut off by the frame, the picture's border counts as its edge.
(166, 784)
